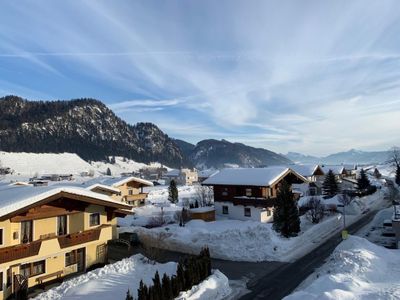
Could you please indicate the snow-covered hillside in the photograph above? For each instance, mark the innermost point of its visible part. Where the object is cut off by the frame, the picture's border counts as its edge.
(43, 163)
(357, 269)
(29, 164)
(123, 165)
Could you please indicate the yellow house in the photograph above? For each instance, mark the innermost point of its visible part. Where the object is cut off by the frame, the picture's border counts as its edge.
(126, 189)
(50, 232)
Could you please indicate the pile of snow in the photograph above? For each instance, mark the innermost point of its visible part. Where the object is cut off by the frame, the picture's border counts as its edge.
(214, 287)
(30, 164)
(238, 240)
(114, 280)
(111, 281)
(357, 269)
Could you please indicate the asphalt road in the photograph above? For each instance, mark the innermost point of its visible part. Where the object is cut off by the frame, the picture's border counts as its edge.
(287, 277)
(252, 271)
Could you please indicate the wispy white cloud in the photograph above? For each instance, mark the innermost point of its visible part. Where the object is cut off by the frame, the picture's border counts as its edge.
(311, 76)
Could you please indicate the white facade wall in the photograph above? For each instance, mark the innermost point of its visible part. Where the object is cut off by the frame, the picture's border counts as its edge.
(236, 212)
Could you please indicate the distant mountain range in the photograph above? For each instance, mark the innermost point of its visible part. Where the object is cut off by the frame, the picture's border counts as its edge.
(217, 154)
(348, 157)
(90, 129)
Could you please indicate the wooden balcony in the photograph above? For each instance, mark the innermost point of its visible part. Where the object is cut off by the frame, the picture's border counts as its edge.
(140, 196)
(78, 238)
(21, 251)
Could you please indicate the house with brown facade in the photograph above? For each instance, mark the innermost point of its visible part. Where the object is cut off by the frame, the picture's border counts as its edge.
(47, 233)
(250, 193)
(128, 190)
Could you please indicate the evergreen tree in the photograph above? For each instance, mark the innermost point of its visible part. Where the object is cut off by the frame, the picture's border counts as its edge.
(128, 296)
(108, 172)
(166, 287)
(397, 179)
(330, 185)
(286, 214)
(112, 160)
(157, 287)
(142, 291)
(363, 181)
(172, 192)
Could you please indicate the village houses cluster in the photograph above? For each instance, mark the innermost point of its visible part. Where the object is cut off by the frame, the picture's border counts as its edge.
(49, 231)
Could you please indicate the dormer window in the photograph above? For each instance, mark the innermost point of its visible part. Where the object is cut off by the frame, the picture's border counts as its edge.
(248, 192)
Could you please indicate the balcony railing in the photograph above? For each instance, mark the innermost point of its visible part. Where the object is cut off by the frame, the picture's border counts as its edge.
(78, 238)
(21, 251)
(134, 197)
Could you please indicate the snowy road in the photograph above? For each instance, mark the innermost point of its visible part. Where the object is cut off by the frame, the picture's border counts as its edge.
(287, 277)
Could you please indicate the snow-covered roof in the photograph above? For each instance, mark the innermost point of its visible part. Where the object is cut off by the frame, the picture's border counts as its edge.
(103, 187)
(14, 198)
(207, 173)
(335, 169)
(173, 173)
(305, 170)
(249, 176)
(117, 181)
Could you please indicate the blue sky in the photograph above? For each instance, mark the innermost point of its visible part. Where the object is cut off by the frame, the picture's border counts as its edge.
(307, 76)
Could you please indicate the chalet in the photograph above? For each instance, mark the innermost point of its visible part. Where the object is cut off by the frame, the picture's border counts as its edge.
(130, 189)
(183, 176)
(47, 233)
(249, 193)
(313, 173)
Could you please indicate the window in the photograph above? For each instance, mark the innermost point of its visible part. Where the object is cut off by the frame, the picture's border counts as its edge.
(247, 212)
(26, 231)
(101, 251)
(1, 236)
(1, 281)
(94, 219)
(225, 210)
(130, 192)
(71, 258)
(268, 213)
(33, 269)
(225, 192)
(62, 225)
(248, 192)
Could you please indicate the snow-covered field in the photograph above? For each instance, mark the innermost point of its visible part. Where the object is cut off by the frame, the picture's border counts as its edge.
(357, 269)
(114, 280)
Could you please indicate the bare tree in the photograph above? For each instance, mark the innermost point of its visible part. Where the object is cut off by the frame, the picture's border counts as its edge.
(157, 220)
(204, 195)
(316, 210)
(182, 216)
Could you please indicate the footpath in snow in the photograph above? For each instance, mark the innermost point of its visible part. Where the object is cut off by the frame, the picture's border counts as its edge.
(114, 280)
(357, 269)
